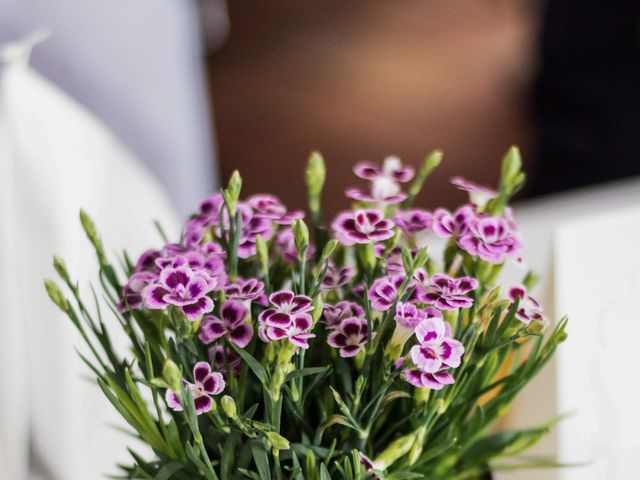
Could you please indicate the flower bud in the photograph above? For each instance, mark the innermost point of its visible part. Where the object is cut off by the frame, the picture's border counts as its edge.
(232, 193)
(301, 238)
(416, 449)
(229, 407)
(537, 326)
(88, 225)
(315, 175)
(511, 166)
(92, 234)
(172, 375)
(277, 441)
(328, 250)
(61, 268)
(398, 448)
(318, 308)
(56, 295)
(263, 253)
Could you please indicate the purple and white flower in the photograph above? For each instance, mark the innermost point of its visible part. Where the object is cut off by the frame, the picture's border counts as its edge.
(287, 317)
(206, 383)
(436, 349)
(132, 290)
(478, 194)
(232, 325)
(369, 466)
(491, 239)
(245, 290)
(383, 293)
(270, 207)
(298, 332)
(413, 221)
(408, 317)
(336, 277)
(225, 359)
(362, 226)
(179, 285)
(384, 180)
(349, 336)
(433, 381)
(447, 293)
(447, 224)
(332, 315)
(528, 307)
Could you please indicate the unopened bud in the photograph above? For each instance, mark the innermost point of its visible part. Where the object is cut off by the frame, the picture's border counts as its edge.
(536, 326)
(229, 407)
(277, 441)
(262, 252)
(315, 175)
(61, 268)
(232, 193)
(172, 375)
(328, 250)
(56, 295)
(301, 238)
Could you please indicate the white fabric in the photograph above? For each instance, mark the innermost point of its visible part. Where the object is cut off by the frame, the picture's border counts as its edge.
(138, 66)
(55, 157)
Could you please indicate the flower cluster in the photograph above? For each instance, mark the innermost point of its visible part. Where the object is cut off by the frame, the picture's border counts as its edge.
(259, 331)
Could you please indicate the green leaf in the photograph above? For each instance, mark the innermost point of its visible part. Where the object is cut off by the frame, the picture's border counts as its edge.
(261, 460)
(303, 372)
(254, 365)
(324, 473)
(168, 470)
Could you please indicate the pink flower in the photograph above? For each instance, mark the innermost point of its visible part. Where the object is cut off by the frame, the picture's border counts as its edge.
(270, 207)
(478, 194)
(435, 352)
(179, 285)
(446, 293)
(225, 359)
(408, 317)
(528, 307)
(362, 226)
(491, 239)
(332, 315)
(245, 290)
(287, 318)
(336, 277)
(447, 224)
(433, 381)
(413, 221)
(349, 336)
(436, 348)
(231, 325)
(383, 293)
(206, 383)
(384, 180)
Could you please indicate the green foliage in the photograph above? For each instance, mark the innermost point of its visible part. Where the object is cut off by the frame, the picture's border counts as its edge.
(310, 415)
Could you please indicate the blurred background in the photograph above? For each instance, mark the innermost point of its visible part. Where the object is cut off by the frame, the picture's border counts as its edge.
(176, 94)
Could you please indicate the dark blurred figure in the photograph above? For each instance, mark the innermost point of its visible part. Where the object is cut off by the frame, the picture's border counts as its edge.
(588, 94)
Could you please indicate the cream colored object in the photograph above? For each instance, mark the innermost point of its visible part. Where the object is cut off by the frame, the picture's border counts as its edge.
(585, 246)
(54, 159)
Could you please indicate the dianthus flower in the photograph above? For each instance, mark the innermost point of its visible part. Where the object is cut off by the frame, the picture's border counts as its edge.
(362, 226)
(232, 325)
(491, 239)
(206, 383)
(447, 293)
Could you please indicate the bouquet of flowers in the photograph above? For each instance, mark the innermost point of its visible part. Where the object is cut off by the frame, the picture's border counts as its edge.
(261, 348)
